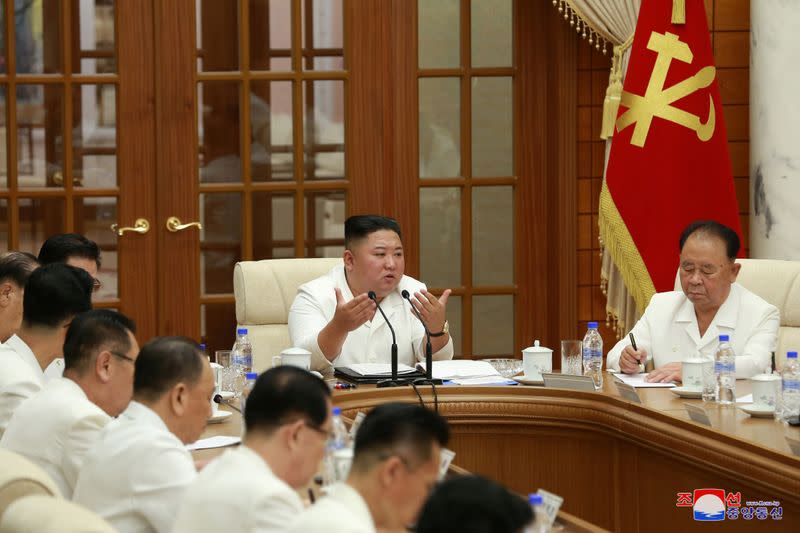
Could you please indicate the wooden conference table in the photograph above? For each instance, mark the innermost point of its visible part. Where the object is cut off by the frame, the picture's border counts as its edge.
(619, 465)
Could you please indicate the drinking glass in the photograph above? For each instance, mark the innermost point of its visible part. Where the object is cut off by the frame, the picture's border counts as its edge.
(572, 357)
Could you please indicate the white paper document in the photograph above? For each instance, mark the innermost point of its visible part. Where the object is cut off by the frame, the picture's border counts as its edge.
(638, 381)
(220, 441)
(461, 369)
(485, 380)
(379, 369)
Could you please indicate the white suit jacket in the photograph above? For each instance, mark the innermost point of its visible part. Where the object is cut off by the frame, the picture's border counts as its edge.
(55, 429)
(342, 510)
(238, 492)
(20, 377)
(136, 473)
(315, 305)
(668, 331)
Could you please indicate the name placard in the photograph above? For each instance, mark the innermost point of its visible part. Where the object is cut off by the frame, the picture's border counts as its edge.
(794, 444)
(356, 424)
(552, 503)
(566, 381)
(698, 414)
(445, 458)
(628, 392)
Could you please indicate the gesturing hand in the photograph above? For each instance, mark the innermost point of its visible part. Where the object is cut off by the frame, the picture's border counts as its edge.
(350, 315)
(431, 309)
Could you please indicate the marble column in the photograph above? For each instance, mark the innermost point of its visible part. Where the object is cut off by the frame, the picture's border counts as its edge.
(775, 129)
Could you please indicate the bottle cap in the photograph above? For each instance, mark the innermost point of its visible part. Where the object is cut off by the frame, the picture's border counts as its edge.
(724, 338)
(337, 411)
(535, 499)
(202, 347)
(592, 325)
(241, 331)
(791, 355)
(251, 375)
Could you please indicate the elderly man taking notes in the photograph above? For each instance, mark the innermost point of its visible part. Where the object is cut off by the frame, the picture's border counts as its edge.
(677, 325)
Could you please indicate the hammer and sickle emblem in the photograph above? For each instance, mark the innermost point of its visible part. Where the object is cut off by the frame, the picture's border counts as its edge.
(656, 100)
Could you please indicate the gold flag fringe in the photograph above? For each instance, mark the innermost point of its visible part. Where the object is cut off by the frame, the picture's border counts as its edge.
(595, 36)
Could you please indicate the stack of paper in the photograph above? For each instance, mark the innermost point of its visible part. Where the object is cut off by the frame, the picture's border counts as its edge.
(466, 372)
(639, 381)
(379, 369)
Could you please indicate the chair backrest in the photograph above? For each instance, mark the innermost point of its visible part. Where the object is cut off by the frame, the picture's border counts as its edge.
(264, 292)
(777, 282)
(45, 514)
(19, 477)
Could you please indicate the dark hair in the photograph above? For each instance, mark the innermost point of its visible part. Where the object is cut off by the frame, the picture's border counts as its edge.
(473, 504)
(93, 330)
(164, 362)
(55, 293)
(17, 267)
(394, 425)
(59, 248)
(282, 394)
(359, 226)
(714, 229)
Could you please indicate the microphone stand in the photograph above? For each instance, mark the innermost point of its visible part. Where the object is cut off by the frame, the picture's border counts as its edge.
(394, 381)
(428, 379)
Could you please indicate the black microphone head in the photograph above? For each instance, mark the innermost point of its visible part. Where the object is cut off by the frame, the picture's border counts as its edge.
(404, 294)
(372, 295)
(217, 398)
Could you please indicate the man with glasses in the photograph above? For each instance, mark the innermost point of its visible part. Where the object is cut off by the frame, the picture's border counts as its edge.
(254, 487)
(677, 325)
(54, 294)
(56, 427)
(137, 471)
(395, 467)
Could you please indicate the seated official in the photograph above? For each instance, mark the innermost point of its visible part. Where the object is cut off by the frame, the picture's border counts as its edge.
(677, 325)
(473, 504)
(254, 487)
(53, 296)
(56, 427)
(335, 320)
(15, 269)
(137, 472)
(395, 466)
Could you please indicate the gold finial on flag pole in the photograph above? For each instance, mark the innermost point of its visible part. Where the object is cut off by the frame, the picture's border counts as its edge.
(679, 11)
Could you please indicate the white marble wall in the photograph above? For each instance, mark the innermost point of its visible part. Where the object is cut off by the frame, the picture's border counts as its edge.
(775, 129)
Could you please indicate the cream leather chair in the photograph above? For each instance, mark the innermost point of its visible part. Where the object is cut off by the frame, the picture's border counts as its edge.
(264, 292)
(45, 514)
(19, 477)
(777, 282)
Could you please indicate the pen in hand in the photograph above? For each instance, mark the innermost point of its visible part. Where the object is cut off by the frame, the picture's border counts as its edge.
(633, 344)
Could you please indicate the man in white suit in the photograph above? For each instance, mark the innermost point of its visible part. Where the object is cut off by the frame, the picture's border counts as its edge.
(334, 318)
(677, 325)
(53, 296)
(15, 269)
(136, 473)
(395, 466)
(254, 487)
(56, 427)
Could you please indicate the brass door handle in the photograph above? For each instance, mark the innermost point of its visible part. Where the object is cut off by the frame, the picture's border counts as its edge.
(141, 225)
(174, 225)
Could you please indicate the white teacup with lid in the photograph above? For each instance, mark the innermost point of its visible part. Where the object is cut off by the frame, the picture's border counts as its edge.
(537, 360)
(766, 388)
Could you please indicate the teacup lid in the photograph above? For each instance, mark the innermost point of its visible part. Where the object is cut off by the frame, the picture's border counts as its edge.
(295, 351)
(537, 349)
(766, 377)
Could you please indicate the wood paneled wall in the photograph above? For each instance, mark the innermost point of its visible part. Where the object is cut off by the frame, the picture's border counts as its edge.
(729, 22)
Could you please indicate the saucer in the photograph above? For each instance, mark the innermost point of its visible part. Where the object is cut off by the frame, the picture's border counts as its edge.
(219, 416)
(683, 392)
(758, 411)
(226, 395)
(525, 380)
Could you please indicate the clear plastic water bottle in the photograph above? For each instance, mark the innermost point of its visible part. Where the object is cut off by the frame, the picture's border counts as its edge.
(541, 524)
(337, 452)
(725, 371)
(790, 387)
(593, 355)
(250, 382)
(243, 351)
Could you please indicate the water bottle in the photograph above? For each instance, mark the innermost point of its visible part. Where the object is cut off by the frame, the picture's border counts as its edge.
(250, 382)
(338, 451)
(243, 351)
(725, 372)
(593, 355)
(203, 351)
(541, 524)
(790, 387)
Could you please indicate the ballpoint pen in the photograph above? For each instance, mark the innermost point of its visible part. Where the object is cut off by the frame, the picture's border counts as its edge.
(633, 344)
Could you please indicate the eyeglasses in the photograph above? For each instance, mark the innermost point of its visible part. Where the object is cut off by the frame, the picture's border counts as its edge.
(123, 356)
(96, 284)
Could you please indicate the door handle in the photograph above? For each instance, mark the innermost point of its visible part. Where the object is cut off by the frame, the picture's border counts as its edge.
(174, 225)
(141, 225)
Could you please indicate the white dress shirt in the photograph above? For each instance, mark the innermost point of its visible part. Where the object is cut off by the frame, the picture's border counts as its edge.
(20, 377)
(136, 474)
(237, 492)
(669, 332)
(342, 510)
(55, 428)
(54, 370)
(315, 304)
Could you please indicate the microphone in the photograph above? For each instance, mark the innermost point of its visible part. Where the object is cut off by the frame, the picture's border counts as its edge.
(218, 399)
(428, 348)
(392, 382)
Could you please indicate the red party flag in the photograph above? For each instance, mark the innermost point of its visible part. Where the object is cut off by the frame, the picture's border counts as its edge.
(669, 163)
